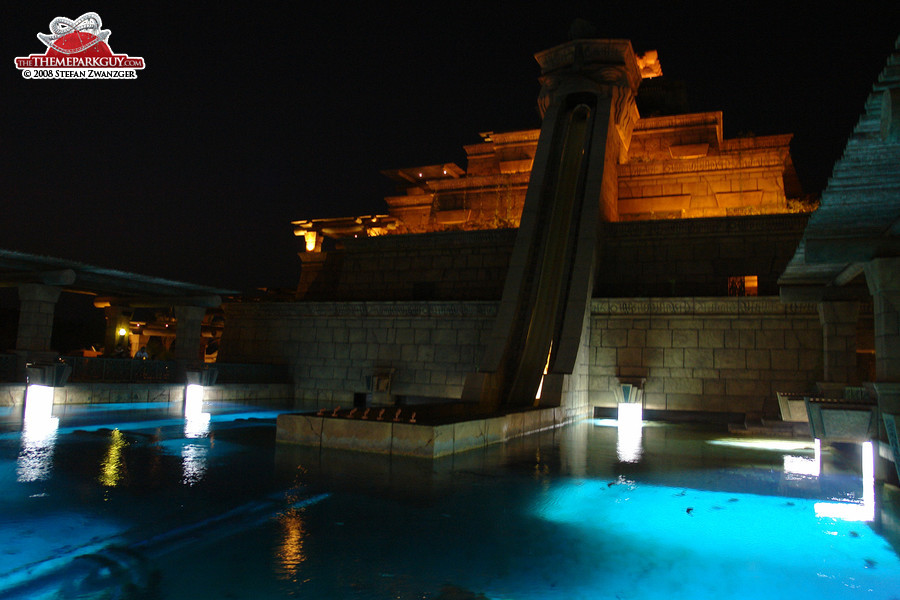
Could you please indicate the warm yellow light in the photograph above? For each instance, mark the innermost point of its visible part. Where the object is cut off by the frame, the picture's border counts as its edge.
(537, 396)
(310, 238)
(111, 467)
(751, 285)
(291, 553)
(122, 331)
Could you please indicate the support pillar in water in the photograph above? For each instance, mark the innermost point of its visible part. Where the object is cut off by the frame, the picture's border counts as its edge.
(588, 108)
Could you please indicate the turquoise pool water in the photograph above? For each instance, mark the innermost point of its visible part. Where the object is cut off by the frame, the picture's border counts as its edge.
(138, 501)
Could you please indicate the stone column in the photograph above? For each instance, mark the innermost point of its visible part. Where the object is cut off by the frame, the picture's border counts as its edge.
(312, 263)
(883, 279)
(839, 323)
(186, 347)
(37, 304)
(587, 102)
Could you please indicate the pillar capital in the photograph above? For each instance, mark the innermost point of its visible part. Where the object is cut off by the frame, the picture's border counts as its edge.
(38, 292)
(590, 65)
(37, 303)
(883, 276)
(843, 311)
(604, 68)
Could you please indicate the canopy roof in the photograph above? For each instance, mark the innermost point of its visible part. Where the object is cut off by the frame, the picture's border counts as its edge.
(18, 267)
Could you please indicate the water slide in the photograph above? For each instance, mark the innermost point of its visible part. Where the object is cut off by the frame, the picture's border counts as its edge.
(540, 314)
(548, 284)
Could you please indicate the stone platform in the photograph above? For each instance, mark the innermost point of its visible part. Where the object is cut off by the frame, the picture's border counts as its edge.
(417, 439)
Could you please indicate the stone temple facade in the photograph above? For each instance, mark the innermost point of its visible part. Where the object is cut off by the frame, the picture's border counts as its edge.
(690, 235)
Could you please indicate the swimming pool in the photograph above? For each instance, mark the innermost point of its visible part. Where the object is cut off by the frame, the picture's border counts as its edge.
(141, 501)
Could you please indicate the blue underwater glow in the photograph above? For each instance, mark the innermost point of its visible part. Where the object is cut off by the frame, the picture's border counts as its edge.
(172, 505)
(710, 544)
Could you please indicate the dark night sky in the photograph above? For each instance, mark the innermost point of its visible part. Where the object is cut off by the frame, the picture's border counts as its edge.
(248, 116)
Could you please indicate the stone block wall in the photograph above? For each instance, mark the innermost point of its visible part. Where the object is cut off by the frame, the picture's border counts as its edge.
(576, 397)
(727, 355)
(434, 266)
(334, 347)
(695, 257)
(705, 354)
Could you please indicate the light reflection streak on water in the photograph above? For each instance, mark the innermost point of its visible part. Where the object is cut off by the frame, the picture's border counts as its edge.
(113, 465)
(193, 463)
(194, 456)
(855, 511)
(290, 553)
(804, 465)
(39, 432)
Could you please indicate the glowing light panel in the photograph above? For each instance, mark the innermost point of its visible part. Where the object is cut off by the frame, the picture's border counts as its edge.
(630, 432)
(39, 429)
(196, 422)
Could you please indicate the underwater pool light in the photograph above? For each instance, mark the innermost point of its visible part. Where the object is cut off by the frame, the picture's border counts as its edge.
(39, 428)
(855, 511)
(38, 404)
(630, 431)
(196, 422)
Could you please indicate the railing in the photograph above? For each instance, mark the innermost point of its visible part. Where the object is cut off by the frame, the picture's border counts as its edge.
(251, 373)
(120, 370)
(123, 370)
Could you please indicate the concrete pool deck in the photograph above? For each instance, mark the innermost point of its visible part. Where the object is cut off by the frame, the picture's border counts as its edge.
(421, 440)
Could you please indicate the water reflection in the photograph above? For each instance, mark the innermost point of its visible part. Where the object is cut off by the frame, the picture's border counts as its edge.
(39, 429)
(193, 463)
(194, 456)
(112, 468)
(864, 508)
(805, 465)
(290, 553)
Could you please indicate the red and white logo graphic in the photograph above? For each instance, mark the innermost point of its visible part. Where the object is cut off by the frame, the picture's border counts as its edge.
(78, 49)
